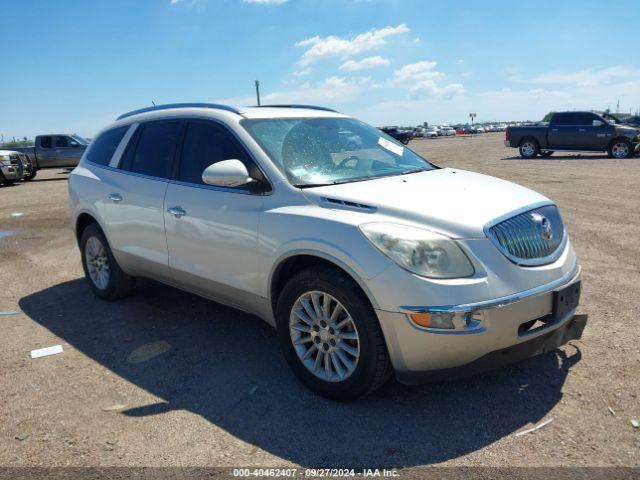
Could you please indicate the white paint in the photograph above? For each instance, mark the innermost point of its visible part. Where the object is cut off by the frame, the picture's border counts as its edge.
(45, 352)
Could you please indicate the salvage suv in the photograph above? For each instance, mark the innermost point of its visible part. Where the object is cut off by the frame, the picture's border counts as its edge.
(368, 259)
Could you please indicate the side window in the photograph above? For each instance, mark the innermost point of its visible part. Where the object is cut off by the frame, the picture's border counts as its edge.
(45, 142)
(584, 119)
(208, 143)
(563, 119)
(156, 148)
(62, 141)
(103, 147)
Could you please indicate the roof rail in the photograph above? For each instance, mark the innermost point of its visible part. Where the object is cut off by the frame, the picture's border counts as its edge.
(310, 107)
(180, 105)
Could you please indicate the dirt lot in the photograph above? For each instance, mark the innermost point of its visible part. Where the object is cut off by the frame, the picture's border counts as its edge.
(167, 378)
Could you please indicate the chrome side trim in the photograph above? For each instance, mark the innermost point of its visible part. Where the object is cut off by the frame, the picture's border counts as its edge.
(567, 278)
(117, 155)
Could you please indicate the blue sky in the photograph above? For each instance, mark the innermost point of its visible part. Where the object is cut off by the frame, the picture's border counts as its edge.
(76, 65)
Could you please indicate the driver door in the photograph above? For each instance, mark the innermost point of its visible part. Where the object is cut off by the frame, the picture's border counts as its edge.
(212, 232)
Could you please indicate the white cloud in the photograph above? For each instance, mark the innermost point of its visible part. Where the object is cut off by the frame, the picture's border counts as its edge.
(369, 62)
(173, 2)
(265, 2)
(331, 90)
(333, 46)
(302, 72)
(422, 79)
(461, 60)
(586, 77)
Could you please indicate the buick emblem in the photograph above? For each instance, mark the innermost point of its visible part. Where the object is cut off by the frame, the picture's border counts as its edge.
(545, 229)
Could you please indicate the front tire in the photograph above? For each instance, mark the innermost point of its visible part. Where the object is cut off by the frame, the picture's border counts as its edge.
(105, 277)
(31, 176)
(529, 148)
(620, 149)
(546, 153)
(330, 335)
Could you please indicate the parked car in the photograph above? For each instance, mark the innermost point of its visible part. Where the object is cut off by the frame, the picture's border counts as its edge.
(367, 262)
(479, 129)
(29, 170)
(447, 131)
(574, 131)
(55, 151)
(418, 132)
(401, 135)
(633, 121)
(431, 132)
(10, 167)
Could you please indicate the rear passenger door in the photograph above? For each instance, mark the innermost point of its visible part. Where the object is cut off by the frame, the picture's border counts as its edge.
(212, 232)
(563, 130)
(45, 153)
(135, 199)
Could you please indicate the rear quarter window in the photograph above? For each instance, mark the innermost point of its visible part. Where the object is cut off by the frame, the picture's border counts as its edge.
(103, 147)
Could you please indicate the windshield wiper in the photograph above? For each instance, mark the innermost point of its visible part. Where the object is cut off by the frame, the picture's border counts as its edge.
(415, 170)
(311, 185)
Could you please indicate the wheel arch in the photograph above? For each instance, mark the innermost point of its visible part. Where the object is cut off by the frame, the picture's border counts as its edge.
(529, 137)
(296, 261)
(83, 220)
(617, 139)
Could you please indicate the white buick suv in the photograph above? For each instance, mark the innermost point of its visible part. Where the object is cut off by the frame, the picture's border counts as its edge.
(368, 259)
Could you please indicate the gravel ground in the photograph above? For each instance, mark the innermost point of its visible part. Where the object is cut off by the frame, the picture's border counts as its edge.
(165, 378)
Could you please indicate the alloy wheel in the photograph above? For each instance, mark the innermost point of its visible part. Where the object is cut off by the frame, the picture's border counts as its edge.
(324, 336)
(528, 149)
(620, 150)
(97, 262)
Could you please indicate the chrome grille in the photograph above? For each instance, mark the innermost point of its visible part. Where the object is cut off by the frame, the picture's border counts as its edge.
(530, 238)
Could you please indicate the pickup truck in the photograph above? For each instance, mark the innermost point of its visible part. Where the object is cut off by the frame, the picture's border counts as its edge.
(55, 151)
(400, 135)
(574, 131)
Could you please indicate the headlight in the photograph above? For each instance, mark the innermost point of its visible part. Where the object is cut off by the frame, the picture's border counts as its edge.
(5, 160)
(420, 251)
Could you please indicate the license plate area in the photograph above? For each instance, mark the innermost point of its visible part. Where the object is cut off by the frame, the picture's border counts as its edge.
(566, 299)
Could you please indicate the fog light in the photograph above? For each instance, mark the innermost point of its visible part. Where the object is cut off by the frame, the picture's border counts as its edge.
(433, 320)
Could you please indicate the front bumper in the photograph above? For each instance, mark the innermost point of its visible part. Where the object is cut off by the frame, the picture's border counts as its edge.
(509, 329)
(10, 173)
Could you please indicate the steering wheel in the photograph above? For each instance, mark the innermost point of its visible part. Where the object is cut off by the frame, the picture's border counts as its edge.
(351, 157)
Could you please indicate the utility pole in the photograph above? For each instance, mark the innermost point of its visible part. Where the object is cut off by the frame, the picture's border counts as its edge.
(618, 106)
(258, 91)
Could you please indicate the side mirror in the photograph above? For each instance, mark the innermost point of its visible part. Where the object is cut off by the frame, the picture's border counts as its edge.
(74, 144)
(227, 173)
(597, 123)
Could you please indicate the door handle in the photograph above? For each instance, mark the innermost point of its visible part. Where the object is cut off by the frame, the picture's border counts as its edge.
(554, 129)
(582, 129)
(176, 211)
(115, 197)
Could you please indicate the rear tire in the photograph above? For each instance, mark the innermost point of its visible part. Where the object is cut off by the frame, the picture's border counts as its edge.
(105, 277)
(529, 148)
(620, 149)
(350, 341)
(31, 176)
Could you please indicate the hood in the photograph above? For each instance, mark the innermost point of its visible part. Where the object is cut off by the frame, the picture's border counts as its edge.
(455, 202)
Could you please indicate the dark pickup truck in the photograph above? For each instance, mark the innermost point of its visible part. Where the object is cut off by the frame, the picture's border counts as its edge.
(574, 131)
(400, 135)
(55, 151)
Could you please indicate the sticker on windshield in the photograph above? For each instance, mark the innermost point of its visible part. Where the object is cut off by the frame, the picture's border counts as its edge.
(392, 147)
